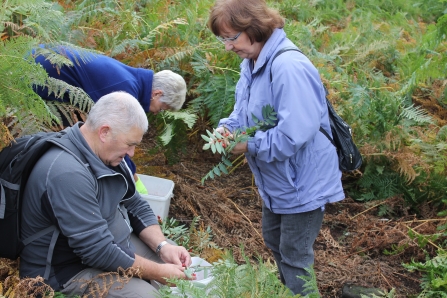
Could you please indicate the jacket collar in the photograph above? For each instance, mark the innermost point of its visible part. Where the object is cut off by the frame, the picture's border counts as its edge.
(267, 51)
(97, 166)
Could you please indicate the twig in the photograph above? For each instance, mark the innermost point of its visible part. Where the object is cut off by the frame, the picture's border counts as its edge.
(236, 166)
(251, 224)
(357, 252)
(192, 178)
(424, 237)
(424, 220)
(381, 274)
(367, 210)
(406, 276)
(386, 280)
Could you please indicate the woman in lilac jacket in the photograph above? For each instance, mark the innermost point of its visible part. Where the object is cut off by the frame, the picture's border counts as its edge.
(295, 166)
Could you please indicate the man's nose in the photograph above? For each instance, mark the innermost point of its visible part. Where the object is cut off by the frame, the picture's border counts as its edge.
(131, 151)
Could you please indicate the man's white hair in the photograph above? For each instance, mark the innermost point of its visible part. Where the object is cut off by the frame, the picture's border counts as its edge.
(119, 110)
(173, 86)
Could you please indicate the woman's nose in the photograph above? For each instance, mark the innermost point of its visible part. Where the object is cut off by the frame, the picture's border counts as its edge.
(228, 46)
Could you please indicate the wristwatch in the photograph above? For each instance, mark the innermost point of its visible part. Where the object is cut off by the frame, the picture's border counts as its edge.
(163, 243)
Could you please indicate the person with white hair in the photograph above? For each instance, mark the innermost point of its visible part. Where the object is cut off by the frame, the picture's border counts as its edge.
(81, 198)
(99, 75)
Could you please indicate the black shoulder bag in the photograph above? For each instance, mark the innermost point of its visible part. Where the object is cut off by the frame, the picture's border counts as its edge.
(349, 157)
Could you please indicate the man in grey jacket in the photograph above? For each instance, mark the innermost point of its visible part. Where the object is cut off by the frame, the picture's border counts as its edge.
(82, 192)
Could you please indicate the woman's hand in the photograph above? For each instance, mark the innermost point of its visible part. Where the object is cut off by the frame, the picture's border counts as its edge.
(240, 148)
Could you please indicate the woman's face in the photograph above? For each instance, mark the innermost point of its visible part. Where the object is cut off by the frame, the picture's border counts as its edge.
(241, 45)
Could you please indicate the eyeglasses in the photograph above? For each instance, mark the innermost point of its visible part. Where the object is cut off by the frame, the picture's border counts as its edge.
(229, 39)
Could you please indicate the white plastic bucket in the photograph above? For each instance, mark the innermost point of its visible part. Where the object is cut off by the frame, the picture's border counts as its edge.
(159, 194)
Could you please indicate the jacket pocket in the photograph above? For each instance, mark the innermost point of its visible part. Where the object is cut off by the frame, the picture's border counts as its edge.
(278, 182)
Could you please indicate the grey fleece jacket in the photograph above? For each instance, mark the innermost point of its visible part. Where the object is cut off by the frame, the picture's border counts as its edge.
(95, 208)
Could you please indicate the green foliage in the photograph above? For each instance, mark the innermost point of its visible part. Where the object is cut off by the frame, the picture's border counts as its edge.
(17, 75)
(383, 61)
(25, 25)
(379, 183)
(232, 280)
(423, 240)
(36, 18)
(310, 285)
(434, 280)
(395, 249)
(216, 95)
(224, 143)
(172, 133)
(381, 294)
(170, 119)
(195, 239)
(172, 229)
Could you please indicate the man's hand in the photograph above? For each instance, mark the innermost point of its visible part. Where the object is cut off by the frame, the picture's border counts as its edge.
(172, 271)
(159, 272)
(177, 255)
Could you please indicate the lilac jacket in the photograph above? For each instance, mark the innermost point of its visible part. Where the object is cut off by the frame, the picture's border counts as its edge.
(295, 166)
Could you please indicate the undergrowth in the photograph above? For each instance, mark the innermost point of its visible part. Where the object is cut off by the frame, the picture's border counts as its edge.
(384, 63)
(233, 280)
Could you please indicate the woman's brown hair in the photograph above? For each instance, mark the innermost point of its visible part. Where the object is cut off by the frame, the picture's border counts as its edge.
(253, 17)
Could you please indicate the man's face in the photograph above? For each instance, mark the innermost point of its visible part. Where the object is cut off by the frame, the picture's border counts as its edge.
(116, 146)
(156, 105)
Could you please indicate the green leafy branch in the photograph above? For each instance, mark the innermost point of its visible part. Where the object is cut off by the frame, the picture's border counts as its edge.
(224, 143)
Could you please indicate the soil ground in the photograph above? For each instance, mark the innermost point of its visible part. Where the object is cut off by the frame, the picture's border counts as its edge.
(351, 248)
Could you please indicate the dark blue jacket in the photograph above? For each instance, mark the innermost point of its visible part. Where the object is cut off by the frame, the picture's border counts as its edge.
(99, 75)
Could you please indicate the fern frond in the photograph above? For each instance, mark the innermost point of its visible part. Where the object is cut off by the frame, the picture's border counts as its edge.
(188, 117)
(177, 57)
(167, 134)
(368, 49)
(148, 39)
(125, 45)
(216, 96)
(64, 111)
(76, 95)
(170, 118)
(18, 75)
(89, 9)
(38, 19)
(57, 55)
(416, 114)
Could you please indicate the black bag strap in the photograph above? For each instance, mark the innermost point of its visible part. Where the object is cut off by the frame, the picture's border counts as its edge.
(39, 234)
(3, 197)
(328, 136)
(286, 49)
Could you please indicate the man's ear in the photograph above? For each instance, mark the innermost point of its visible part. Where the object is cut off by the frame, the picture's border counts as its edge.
(104, 133)
(157, 92)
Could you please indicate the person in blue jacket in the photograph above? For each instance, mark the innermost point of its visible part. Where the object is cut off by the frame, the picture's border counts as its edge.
(294, 165)
(99, 75)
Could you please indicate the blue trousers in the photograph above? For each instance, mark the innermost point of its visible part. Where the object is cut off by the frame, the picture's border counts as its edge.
(291, 238)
